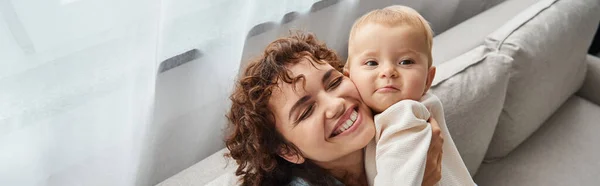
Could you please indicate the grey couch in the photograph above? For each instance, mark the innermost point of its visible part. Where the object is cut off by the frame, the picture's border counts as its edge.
(520, 94)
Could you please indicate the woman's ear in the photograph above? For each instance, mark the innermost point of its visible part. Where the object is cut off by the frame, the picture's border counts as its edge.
(290, 155)
(430, 76)
(345, 71)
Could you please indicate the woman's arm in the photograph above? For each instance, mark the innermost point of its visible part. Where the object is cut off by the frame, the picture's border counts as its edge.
(433, 168)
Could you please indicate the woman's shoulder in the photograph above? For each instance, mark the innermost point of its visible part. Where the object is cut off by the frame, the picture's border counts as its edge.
(296, 181)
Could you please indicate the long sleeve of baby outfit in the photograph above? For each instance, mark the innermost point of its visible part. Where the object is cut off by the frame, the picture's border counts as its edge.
(401, 143)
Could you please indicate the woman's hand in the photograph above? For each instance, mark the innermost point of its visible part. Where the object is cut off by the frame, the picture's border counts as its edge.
(433, 167)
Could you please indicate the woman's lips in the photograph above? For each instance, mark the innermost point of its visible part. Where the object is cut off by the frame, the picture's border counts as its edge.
(354, 126)
(345, 117)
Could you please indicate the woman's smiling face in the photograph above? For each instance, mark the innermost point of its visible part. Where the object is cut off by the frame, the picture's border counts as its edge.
(324, 116)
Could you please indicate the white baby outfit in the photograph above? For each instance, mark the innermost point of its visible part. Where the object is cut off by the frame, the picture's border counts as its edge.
(398, 154)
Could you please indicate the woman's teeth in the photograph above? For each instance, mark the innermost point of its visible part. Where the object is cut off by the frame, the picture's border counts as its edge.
(348, 123)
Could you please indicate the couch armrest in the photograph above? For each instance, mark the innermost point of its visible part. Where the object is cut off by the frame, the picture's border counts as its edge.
(215, 167)
(591, 86)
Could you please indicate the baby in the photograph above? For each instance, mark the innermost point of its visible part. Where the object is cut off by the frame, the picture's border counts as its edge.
(391, 65)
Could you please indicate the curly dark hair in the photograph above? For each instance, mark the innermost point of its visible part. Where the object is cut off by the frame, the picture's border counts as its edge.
(253, 141)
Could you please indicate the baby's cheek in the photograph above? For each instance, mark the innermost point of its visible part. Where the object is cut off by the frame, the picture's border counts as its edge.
(363, 95)
(366, 97)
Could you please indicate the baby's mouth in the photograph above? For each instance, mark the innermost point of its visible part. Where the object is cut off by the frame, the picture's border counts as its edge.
(387, 89)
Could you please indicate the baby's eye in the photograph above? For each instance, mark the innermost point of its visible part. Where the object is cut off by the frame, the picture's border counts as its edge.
(406, 62)
(371, 63)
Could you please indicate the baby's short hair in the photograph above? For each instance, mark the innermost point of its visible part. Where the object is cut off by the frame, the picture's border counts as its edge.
(394, 16)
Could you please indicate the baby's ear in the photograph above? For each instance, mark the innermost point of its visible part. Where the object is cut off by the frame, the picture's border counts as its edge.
(290, 155)
(430, 76)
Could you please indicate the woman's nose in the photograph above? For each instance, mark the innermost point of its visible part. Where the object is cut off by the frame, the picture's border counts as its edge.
(335, 107)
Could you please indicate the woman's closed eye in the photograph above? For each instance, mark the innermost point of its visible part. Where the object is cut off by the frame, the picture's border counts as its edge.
(306, 113)
(335, 83)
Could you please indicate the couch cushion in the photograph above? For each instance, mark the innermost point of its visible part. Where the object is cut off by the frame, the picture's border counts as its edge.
(591, 89)
(472, 87)
(472, 32)
(564, 151)
(548, 43)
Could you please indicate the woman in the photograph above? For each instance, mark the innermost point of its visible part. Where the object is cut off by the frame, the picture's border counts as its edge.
(285, 116)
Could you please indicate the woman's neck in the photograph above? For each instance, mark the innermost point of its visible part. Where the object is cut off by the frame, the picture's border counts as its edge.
(349, 169)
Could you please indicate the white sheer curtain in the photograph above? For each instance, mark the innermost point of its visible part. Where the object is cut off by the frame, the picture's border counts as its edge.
(78, 81)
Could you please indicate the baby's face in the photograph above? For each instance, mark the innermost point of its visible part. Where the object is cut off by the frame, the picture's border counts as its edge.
(389, 64)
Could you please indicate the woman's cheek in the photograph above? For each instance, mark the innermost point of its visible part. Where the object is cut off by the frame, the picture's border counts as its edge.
(346, 85)
(354, 84)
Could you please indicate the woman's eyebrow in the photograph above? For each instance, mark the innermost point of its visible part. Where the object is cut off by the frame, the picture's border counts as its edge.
(301, 101)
